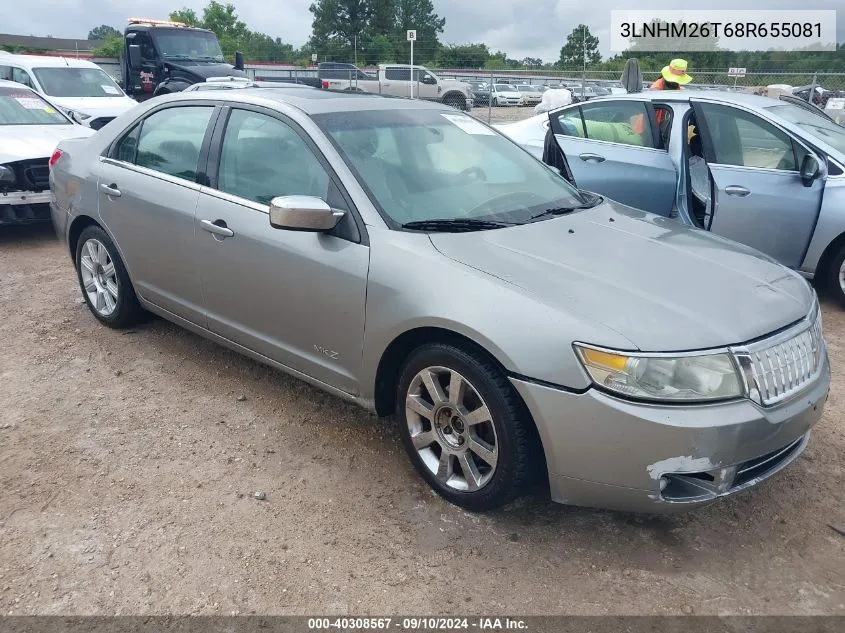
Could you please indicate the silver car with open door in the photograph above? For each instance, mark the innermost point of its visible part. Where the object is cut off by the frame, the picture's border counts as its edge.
(763, 172)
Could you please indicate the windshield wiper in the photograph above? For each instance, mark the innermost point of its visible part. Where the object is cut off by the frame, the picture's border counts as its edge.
(564, 210)
(455, 225)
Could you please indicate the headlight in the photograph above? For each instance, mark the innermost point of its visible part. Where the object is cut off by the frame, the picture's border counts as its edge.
(697, 377)
(79, 117)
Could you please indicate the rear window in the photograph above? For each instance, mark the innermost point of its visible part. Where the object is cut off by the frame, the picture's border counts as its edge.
(22, 107)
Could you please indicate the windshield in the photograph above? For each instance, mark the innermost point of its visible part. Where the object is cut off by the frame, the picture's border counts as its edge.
(22, 107)
(813, 124)
(505, 88)
(526, 88)
(67, 81)
(188, 45)
(421, 165)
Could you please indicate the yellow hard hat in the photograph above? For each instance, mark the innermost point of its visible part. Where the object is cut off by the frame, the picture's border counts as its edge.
(676, 72)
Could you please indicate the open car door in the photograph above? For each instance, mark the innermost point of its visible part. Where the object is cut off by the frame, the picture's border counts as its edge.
(553, 155)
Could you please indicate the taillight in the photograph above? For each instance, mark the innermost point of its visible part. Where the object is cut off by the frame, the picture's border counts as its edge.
(325, 85)
(56, 156)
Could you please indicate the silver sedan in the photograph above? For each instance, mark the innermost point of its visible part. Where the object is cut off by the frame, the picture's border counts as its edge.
(410, 259)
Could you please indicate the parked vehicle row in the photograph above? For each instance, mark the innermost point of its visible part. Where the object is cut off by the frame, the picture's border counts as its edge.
(409, 258)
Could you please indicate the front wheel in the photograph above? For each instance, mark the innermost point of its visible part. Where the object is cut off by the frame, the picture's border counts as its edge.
(104, 281)
(463, 426)
(836, 276)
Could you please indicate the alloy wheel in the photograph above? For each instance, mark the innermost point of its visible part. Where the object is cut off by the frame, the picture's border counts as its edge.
(451, 429)
(99, 277)
(842, 277)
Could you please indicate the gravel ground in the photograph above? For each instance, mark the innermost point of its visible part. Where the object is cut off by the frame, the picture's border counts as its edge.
(129, 462)
(503, 114)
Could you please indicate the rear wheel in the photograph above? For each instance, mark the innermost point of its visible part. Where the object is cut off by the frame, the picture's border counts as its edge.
(463, 426)
(454, 101)
(104, 281)
(836, 276)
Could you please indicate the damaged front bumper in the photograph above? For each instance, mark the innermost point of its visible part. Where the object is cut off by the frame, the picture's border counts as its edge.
(607, 452)
(24, 207)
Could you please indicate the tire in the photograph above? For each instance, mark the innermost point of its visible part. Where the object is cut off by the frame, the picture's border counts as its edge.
(103, 279)
(835, 276)
(453, 101)
(486, 439)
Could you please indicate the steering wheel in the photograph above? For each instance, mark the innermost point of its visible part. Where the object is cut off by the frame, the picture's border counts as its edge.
(476, 174)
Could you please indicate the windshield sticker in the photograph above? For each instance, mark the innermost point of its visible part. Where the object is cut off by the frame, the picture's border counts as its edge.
(110, 90)
(468, 124)
(49, 110)
(30, 103)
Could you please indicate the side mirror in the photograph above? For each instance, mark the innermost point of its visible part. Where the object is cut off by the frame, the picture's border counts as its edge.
(809, 170)
(134, 56)
(428, 79)
(303, 213)
(239, 61)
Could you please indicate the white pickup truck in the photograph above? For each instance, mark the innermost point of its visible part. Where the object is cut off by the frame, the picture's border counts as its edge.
(396, 80)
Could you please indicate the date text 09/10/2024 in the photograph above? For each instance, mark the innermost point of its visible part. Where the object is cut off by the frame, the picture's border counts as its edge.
(417, 624)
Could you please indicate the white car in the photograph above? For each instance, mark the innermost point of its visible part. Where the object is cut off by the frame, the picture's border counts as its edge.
(531, 95)
(83, 90)
(30, 129)
(506, 95)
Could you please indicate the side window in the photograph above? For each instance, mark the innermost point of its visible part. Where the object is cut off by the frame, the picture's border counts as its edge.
(126, 148)
(263, 157)
(624, 122)
(663, 113)
(571, 123)
(6, 73)
(170, 140)
(397, 74)
(744, 139)
(22, 77)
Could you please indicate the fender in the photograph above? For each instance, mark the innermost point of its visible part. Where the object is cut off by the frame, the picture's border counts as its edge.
(172, 84)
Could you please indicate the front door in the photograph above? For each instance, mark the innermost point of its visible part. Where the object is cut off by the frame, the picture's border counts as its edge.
(760, 199)
(295, 297)
(148, 193)
(612, 150)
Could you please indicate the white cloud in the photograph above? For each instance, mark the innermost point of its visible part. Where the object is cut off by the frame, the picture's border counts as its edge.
(536, 28)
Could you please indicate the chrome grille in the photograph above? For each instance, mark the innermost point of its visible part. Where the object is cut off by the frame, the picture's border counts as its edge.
(777, 368)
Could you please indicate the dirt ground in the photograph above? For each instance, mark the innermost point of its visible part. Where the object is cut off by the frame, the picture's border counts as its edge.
(129, 461)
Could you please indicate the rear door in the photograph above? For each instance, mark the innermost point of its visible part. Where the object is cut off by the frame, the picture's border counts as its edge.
(148, 188)
(759, 197)
(612, 148)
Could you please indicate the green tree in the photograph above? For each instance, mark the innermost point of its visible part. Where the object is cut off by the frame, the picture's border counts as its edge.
(112, 47)
(186, 16)
(532, 62)
(103, 32)
(420, 16)
(339, 25)
(580, 45)
(465, 56)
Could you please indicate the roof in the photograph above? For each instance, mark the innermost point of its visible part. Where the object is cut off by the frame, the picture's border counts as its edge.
(5, 83)
(50, 43)
(315, 101)
(46, 61)
(738, 98)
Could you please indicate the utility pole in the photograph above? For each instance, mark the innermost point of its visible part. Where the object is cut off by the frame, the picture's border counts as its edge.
(584, 53)
(355, 39)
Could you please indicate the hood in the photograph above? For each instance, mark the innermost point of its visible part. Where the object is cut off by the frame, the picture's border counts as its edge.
(204, 70)
(658, 283)
(96, 106)
(23, 142)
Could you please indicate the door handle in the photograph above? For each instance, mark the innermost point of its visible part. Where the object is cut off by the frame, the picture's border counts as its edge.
(110, 190)
(588, 157)
(736, 190)
(218, 228)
